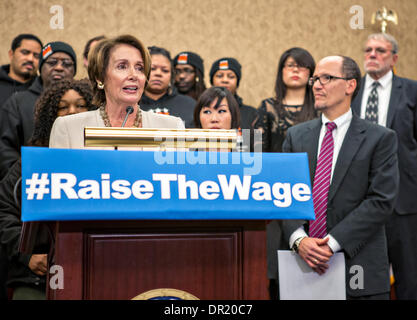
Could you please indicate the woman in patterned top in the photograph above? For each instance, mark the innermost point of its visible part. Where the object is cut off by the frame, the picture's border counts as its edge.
(293, 102)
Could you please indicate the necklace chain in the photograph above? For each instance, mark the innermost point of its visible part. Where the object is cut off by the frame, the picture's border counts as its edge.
(105, 117)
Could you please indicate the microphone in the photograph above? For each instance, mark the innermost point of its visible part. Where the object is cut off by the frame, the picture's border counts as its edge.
(129, 110)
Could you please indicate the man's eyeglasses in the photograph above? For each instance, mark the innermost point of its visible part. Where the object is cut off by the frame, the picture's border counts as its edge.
(323, 79)
(292, 66)
(185, 70)
(66, 63)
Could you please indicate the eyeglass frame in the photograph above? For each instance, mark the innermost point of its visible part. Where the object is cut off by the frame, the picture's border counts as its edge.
(312, 80)
(293, 66)
(379, 50)
(66, 63)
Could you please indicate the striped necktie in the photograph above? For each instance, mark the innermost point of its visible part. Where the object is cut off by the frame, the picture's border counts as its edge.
(371, 113)
(322, 184)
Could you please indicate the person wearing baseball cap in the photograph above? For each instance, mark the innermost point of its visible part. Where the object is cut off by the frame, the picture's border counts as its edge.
(189, 74)
(227, 72)
(57, 62)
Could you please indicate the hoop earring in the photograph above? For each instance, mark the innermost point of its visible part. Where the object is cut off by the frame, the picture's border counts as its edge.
(197, 79)
(100, 85)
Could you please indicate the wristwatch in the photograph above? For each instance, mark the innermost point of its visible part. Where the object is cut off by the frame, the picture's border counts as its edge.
(296, 244)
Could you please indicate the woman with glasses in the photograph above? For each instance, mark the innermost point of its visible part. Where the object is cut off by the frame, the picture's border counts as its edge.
(293, 102)
(160, 95)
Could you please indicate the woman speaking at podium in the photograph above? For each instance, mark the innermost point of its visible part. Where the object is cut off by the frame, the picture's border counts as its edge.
(118, 70)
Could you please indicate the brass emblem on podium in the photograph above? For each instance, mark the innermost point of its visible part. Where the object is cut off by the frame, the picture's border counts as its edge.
(165, 294)
(384, 16)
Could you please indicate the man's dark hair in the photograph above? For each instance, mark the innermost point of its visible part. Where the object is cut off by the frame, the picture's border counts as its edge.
(25, 36)
(88, 45)
(350, 70)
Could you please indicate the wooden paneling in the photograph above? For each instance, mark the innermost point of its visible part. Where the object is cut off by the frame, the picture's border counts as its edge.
(122, 259)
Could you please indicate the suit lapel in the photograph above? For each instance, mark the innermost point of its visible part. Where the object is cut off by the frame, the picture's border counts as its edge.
(394, 100)
(350, 146)
(311, 144)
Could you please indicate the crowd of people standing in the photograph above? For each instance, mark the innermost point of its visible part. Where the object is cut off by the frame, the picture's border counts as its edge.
(360, 134)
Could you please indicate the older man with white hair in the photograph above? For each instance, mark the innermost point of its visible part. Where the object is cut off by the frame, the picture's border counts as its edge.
(391, 101)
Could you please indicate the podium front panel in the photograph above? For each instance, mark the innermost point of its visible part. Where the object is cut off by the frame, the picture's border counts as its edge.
(123, 259)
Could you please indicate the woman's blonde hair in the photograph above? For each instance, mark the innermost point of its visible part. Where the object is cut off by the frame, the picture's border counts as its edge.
(98, 61)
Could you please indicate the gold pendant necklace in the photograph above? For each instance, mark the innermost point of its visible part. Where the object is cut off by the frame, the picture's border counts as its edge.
(105, 117)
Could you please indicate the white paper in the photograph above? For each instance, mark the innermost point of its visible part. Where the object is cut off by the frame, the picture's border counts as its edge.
(297, 281)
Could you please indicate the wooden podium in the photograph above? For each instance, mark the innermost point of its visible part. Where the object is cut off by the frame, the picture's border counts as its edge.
(208, 259)
(123, 259)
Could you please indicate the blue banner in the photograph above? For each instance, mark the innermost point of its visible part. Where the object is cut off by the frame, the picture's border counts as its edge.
(60, 184)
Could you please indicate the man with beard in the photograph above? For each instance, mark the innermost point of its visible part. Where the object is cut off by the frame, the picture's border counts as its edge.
(58, 61)
(17, 76)
(189, 74)
(21, 72)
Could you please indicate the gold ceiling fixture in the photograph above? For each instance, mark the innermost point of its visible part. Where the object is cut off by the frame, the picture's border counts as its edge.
(384, 15)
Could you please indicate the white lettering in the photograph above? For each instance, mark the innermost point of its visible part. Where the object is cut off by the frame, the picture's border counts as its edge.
(121, 189)
(57, 280)
(357, 280)
(90, 190)
(56, 21)
(235, 183)
(209, 190)
(301, 192)
(183, 185)
(63, 182)
(284, 195)
(165, 179)
(262, 191)
(356, 22)
(142, 189)
(105, 186)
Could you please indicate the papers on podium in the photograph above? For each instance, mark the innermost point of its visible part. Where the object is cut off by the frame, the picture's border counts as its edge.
(297, 281)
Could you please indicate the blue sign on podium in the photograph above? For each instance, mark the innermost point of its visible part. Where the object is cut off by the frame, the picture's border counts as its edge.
(60, 184)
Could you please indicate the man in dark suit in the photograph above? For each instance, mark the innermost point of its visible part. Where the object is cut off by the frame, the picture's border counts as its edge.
(393, 104)
(355, 171)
